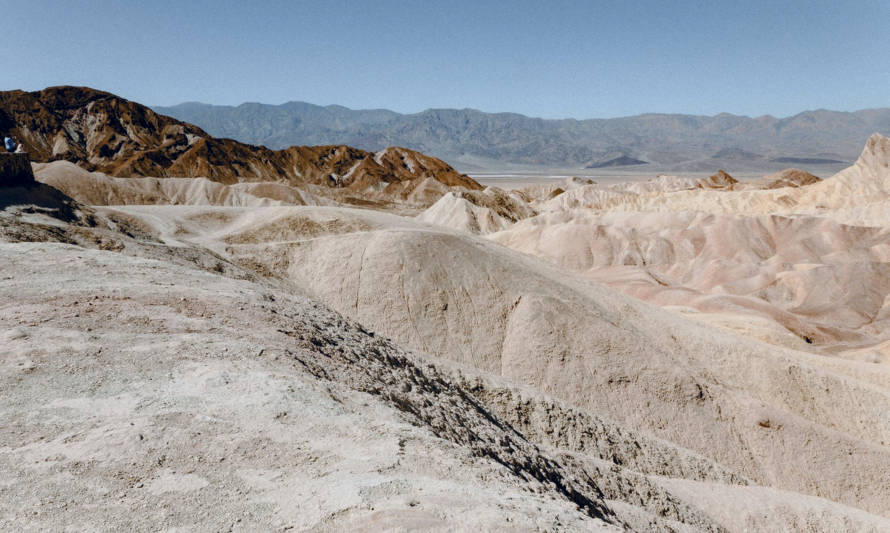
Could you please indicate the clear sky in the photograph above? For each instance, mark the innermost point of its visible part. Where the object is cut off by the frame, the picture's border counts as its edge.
(551, 59)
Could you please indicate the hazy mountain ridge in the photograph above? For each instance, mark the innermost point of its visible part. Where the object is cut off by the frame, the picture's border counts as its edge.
(453, 134)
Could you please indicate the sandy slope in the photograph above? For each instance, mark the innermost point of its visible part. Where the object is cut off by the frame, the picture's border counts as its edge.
(172, 415)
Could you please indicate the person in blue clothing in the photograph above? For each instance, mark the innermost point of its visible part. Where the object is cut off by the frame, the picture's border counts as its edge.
(10, 144)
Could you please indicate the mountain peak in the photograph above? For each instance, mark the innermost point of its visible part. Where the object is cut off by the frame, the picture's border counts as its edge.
(876, 153)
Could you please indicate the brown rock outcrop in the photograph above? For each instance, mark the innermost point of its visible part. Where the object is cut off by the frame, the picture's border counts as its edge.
(721, 180)
(790, 177)
(103, 132)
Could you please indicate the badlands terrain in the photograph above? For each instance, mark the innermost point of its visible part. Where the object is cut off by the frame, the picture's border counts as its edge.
(204, 335)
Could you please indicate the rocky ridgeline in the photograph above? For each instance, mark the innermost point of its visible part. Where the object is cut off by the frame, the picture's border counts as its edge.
(101, 132)
(15, 170)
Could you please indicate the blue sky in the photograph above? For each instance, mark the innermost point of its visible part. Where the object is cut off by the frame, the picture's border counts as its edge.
(549, 59)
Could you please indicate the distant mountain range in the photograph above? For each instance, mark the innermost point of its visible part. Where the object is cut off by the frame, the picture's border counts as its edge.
(473, 139)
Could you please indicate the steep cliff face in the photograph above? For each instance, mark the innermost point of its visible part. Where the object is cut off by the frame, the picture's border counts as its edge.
(102, 132)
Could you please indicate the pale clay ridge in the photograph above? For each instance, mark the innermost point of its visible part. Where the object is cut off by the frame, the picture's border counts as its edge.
(96, 188)
(533, 395)
(817, 278)
(777, 278)
(841, 197)
(476, 212)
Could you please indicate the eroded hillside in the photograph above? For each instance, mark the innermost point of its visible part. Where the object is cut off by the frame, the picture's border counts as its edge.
(673, 355)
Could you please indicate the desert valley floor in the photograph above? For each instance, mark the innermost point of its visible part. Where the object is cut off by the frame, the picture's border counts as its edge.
(675, 354)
